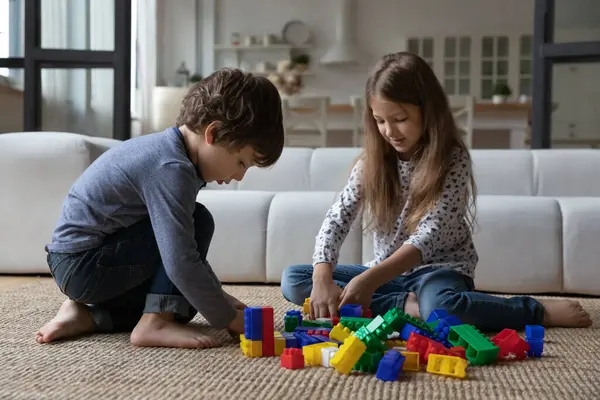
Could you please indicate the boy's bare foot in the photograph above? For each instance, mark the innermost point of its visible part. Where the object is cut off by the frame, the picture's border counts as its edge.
(565, 313)
(411, 305)
(160, 330)
(72, 319)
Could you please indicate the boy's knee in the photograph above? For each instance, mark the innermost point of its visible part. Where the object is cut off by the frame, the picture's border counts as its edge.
(295, 280)
(203, 219)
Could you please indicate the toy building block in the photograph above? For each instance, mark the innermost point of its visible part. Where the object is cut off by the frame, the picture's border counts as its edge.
(335, 321)
(316, 324)
(390, 366)
(442, 329)
(311, 330)
(327, 354)
(312, 353)
(318, 332)
(372, 342)
(411, 361)
(479, 349)
(292, 359)
(418, 344)
(268, 340)
(253, 323)
(391, 343)
(290, 340)
(340, 332)
(304, 339)
(459, 351)
(351, 310)
(447, 366)
(534, 332)
(250, 348)
(397, 319)
(290, 323)
(279, 343)
(367, 313)
(512, 347)
(327, 339)
(354, 323)
(306, 306)
(348, 354)
(368, 362)
(379, 328)
(536, 347)
(433, 324)
(438, 348)
(436, 315)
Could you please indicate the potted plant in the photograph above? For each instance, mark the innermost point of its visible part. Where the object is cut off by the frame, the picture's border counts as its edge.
(195, 79)
(300, 62)
(501, 92)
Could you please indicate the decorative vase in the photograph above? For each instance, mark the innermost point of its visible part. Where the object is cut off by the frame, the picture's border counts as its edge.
(498, 99)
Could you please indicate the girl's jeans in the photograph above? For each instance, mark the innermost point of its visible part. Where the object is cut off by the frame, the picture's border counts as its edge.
(435, 288)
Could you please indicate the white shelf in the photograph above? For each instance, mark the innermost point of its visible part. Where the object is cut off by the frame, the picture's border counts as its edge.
(259, 47)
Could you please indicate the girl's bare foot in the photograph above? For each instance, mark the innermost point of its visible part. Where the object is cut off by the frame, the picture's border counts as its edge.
(72, 319)
(411, 305)
(565, 313)
(160, 330)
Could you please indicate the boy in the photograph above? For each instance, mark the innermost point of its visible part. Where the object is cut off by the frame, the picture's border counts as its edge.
(130, 247)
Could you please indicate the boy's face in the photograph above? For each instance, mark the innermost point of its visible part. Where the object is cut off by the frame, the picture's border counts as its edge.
(220, 164)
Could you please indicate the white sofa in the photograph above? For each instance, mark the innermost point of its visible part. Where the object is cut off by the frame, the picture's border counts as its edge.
(538, 210)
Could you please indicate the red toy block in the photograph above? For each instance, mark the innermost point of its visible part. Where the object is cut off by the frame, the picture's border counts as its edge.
(438, 348)
(368, 313)
(335, 321)
(511, 345)
(420, 344)
(292, 358)
(459, 351)
(268, 333)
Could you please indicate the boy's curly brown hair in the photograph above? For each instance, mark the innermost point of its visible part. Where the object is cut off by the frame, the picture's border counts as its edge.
(246, 107)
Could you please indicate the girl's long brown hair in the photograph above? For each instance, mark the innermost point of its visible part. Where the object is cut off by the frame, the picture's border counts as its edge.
(406, 78)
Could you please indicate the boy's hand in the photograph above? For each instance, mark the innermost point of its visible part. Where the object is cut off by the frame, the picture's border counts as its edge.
(357, 291)
(236, 327)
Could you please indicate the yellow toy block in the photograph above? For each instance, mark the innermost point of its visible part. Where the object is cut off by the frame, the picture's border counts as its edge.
(250, 348)
(348, 355)
(447, 365)
(312, 352)
(279, 343)
(306, 308)
(340, 333)
(411, 362)
(391, 343)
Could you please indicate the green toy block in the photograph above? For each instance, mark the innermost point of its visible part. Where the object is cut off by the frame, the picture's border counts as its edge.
(290, 323)
(368, 362)
(479, 349)
(354, 323)
(379, 328)
(316, 324)
(433, 324)
(373, 344)
(396, 319)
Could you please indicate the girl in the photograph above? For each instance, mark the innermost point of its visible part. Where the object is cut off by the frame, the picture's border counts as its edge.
(414, 180)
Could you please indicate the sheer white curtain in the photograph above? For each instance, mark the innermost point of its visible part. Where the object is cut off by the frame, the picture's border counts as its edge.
(146, 62)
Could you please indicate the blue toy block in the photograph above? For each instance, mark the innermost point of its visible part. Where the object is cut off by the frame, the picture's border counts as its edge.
(407, 329)
(305, 329)
(305, 340)
(437, 314)
(326, 339)
(351, 310)
(295, 313)
(253, 323)
(290, 340)
(447, 322)
(534, 332)
(390, 366)
(536, 347)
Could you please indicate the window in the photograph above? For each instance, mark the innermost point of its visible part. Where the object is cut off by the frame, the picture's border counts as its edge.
(525, 54)
(457, 65)
(422, 47)
(4, 28)
(494, 63)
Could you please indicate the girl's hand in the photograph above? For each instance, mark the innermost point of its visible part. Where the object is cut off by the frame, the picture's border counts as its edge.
(324, 299)
(357, 291)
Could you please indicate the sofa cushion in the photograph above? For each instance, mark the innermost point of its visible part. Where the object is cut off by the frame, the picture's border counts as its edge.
(519, 241)
(562, 172)
(290, 173)
(237, 251)
(503, 172)
(581, 233)
(331, 167)
(294, 222)
(36, 173)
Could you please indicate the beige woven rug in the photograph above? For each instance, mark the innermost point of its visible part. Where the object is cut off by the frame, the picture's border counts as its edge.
(108, 367)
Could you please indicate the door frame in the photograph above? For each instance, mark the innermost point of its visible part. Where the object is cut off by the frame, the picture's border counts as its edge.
(546, 54)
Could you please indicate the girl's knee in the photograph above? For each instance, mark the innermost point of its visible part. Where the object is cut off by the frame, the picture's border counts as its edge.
(448, 300)
(296, 281)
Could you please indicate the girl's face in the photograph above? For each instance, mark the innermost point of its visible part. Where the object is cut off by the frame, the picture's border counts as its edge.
(399, 124)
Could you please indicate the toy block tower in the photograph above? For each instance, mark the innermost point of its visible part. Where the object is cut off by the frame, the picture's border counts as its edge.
(259, 338)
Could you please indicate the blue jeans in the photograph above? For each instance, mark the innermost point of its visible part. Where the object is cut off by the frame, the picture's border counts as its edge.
(125, 278)
(436, 288)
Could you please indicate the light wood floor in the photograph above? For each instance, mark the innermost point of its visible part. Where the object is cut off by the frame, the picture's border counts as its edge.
(14, 281)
